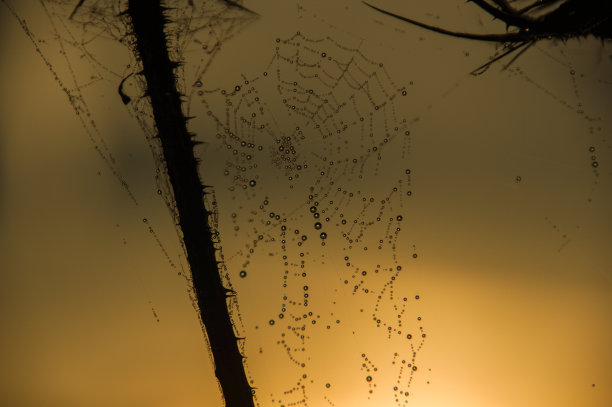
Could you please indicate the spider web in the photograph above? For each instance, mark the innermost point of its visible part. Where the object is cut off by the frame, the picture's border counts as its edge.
(310, 160)
(313, 158)
(339, 117)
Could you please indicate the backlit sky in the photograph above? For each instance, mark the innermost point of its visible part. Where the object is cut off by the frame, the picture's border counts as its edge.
(508, 218)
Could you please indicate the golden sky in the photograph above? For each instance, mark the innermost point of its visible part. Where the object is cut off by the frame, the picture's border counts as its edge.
(481, 226)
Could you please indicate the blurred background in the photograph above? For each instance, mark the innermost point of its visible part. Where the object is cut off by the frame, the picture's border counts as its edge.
(398, 231)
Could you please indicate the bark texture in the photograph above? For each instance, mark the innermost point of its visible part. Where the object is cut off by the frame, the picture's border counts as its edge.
(148, 23)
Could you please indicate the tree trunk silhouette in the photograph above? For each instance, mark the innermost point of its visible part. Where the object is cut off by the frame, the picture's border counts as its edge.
(148, 23)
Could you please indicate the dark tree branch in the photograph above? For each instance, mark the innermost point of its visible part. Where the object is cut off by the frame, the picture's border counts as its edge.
(148, 23)
(573, 18)
(506, 15)
(537, 5)
(519, 36)
(504, 5)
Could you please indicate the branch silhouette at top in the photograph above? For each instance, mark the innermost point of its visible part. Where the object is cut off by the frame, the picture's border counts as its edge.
(542, 19)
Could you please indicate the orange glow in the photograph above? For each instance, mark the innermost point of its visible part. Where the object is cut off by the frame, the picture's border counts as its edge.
(487, 267)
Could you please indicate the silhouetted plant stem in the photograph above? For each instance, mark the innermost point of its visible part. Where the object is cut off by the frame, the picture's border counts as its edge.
(570, 19)
(148, 24)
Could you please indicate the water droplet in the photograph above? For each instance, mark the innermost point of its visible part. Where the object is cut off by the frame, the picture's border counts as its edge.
(318, 225)
(252, 183)
(243, 273)
(323, 235)
(368, 378)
